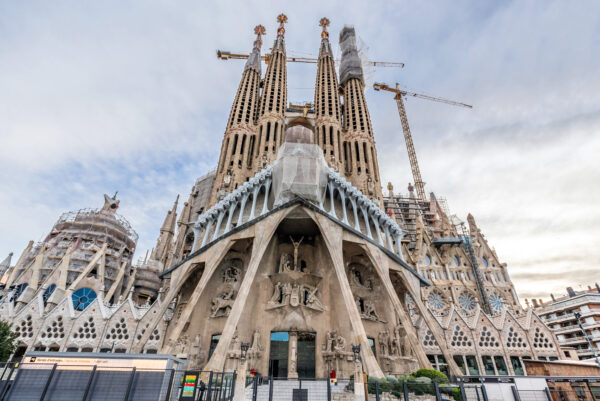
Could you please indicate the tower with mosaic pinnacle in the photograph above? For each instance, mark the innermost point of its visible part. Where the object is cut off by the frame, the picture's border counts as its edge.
(328, 127)
(360, 164)
(273, 101)
(239, 147)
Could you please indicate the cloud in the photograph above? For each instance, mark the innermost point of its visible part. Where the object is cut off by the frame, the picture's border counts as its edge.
(105, 96)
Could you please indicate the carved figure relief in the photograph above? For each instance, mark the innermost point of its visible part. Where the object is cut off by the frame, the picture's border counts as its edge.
(255, 350)
(222, 303)
(384, 342)
(293, 284)
(335, 343)
(231, 272)
(367, 309)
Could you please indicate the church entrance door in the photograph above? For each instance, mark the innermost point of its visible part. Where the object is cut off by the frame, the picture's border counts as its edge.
(306, 354)
(278, 355)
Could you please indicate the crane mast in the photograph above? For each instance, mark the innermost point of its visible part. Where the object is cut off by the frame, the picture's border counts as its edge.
(410, 147)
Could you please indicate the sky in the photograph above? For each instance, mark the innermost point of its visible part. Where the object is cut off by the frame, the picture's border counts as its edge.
(129, 96)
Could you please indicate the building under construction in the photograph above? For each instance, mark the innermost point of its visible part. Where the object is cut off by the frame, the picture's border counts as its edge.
(290, 246)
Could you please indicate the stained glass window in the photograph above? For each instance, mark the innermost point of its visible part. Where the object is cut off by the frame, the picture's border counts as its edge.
(48, 292)
(436, 301)
(82, 298)
(467, 301)
(496, 303)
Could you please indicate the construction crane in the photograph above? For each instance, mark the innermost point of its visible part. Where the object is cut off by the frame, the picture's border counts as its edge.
(410, 147)
(224, 55)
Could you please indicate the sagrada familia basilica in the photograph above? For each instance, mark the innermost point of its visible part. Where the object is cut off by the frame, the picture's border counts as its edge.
(291, 246)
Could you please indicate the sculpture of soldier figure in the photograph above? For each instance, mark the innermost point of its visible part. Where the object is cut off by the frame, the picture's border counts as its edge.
(286, 293)
(383, 338)
(276, 294)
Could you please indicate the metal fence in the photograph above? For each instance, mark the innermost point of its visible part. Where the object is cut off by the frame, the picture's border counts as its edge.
(267, 389)
(52, 382)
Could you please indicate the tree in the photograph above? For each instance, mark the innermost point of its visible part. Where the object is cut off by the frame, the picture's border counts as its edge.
(7, 341)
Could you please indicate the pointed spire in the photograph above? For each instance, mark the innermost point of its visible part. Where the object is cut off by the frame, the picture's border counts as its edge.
(279, 42)
(325, 45)
(170, 218)
(254, 58)
(324, 23)
(5, 264)
(282, 19)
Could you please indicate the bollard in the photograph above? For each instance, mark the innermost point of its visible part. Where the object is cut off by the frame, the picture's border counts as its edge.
(405, 388)
(463, 396)
(376, 391)
(484, 392)
(271, 389)
(438, 397)
(515, 393)
(548, 395)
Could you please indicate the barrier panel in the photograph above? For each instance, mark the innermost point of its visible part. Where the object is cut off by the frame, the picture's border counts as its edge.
(52, 382)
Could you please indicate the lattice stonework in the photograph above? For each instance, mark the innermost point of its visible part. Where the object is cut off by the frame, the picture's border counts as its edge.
(486, 339)
(55, 330)
(429, 340)
(460, 338)
(119, 331)
(514, 340)
(25, 328)
(155, 336)
(87, 331)
(541, 340)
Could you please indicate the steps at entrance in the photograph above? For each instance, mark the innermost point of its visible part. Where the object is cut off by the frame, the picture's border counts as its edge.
(282, 390)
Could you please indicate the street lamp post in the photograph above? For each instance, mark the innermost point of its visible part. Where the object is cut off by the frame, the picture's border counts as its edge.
(591, 345)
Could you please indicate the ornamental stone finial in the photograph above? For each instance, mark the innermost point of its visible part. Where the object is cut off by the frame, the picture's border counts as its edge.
(259, 30)
(282, 19)
(324, 23)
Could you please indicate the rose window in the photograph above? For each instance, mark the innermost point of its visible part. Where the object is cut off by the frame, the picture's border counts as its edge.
(467, 302)
(436, 301)
(496, 302)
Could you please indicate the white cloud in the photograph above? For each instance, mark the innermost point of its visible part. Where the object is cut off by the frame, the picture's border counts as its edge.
(105, 96)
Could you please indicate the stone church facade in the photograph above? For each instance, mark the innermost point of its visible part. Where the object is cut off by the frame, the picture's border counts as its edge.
(290, 246)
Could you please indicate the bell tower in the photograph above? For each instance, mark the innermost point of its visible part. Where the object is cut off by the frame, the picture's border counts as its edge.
(361, 166)
(273, 101)
(328, 128)
(239, 146)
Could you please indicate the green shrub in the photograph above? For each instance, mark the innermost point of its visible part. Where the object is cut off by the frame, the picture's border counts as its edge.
(432, 374)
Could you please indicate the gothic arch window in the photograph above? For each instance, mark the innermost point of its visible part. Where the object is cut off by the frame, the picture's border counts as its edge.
(410, 305)
(456, 261)
(82, 298)
(48, 292)
(427, 260)
(484, 261)
(18, 291)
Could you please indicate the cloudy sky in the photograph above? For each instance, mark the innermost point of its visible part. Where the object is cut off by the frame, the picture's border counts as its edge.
(129, 95)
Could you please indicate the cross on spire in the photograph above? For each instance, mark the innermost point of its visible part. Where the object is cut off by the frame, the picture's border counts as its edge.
(282, 19)
(324, 22)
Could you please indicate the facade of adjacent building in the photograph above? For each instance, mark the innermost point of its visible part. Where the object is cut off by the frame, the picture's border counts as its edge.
(560, 316)
(289, 245)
